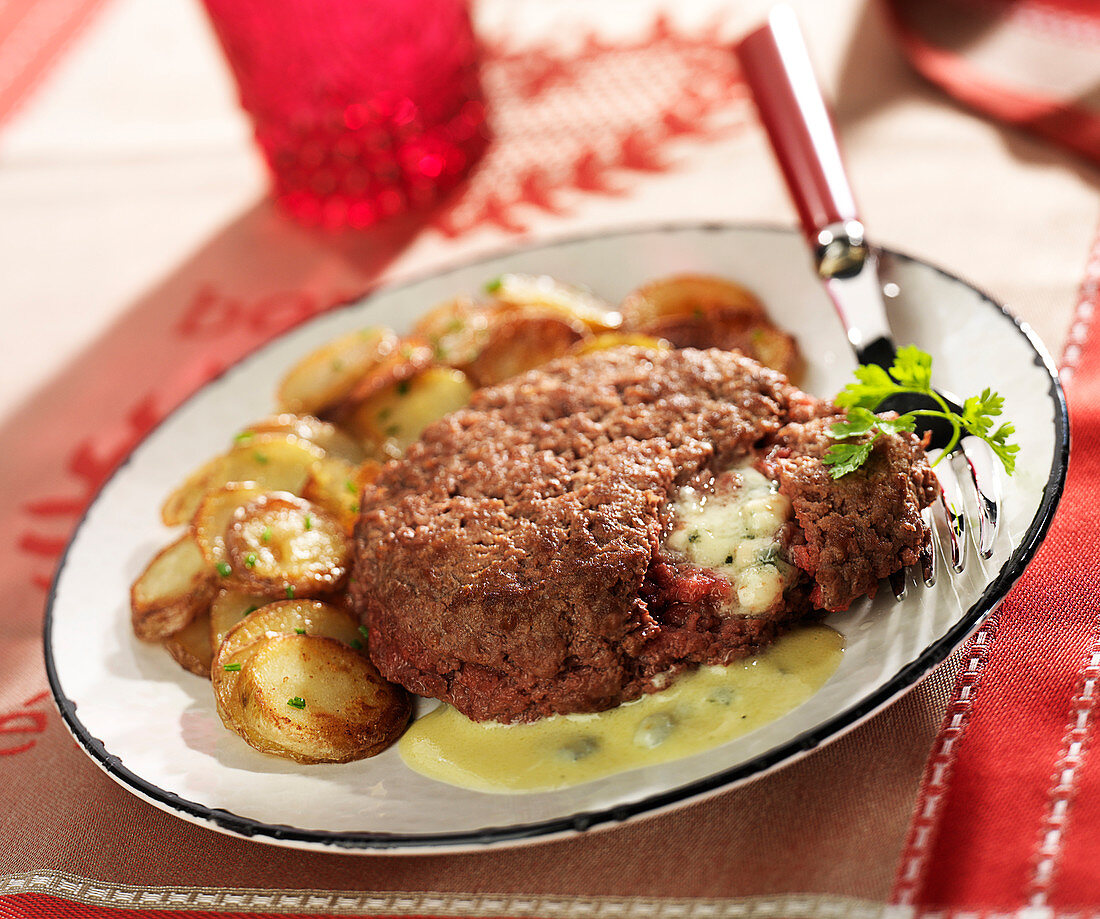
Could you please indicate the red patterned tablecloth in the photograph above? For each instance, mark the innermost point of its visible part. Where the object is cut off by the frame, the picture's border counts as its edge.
(972, 794)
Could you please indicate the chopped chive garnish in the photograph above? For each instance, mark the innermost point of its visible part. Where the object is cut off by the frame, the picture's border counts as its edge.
(494, 284)
(300, 631)
(232, 668)
(251, 609)
(363, 631)
(297, 702)
(355, 507)
(244, 437)
(349, 485)
(224, 570)
(357, 644)
(290, 591)
(250, 560)
(260, 458)
(309, 521)
(265, 536)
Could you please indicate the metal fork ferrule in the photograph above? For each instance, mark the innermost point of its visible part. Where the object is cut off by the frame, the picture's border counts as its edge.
(840, 249)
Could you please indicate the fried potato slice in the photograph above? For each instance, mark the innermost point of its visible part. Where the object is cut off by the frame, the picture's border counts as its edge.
(456, 331)
(686, 295)
(180, 505)
(520, 340)
(543, 293)
(306, 651)
(323, 434)
(699, 311)
(174, 587)
(276, 461)
(410, 358)
(325, 376)
(620, 340)
(228, 608)
(314, 700)
(291, 617)
(191, 646)
(336, 485)
(393, 417)
(280, 543)
(214, 516)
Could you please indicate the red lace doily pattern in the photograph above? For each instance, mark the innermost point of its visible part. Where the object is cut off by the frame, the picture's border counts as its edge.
(580, 122)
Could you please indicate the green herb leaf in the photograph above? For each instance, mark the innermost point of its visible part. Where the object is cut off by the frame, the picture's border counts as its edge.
(911, 373)
(845, 458)
(232, 668)
(297, 702)
(224, 570)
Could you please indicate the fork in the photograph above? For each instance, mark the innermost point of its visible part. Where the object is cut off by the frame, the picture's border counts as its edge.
(776, 65)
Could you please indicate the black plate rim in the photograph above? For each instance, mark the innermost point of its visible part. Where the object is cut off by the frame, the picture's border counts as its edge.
(473, 840)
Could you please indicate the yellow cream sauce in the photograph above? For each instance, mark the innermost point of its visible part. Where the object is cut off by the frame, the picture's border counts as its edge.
(699, 710)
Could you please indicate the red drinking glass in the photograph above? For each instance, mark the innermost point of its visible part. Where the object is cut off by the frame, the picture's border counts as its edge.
(363, 109)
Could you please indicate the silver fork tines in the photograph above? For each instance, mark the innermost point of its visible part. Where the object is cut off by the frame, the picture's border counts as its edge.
(929, 551)
(954, 510)
(987, 488)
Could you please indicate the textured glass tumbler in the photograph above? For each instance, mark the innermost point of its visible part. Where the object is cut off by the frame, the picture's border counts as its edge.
(363, 109)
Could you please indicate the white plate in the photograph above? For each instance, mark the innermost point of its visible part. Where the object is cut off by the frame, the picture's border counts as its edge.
(154, 729)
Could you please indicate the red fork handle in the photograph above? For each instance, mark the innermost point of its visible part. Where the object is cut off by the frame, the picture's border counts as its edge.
(776, 65)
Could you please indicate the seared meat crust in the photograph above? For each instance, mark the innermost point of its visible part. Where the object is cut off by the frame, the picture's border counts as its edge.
(511, 562)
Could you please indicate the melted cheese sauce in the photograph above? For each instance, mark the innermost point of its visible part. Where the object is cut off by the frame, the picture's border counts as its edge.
(700, 710)
(734, 531)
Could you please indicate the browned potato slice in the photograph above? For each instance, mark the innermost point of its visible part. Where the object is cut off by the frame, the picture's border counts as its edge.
(214, 516)
(313, 700)
(336, 485)
(699, 311)
(686, 295)
(545, 294)
(230, 606)
(323, 434)
(412, 357)
(174, 587)
(754, 337)
(456, 331)
(520, 341)
(277, 461)
(619, 340)
(393, 417)
(290, 617)
(180, 506)
(325, 376)
(286, 617)
(277, 542)
(774, 348)
(191, 648)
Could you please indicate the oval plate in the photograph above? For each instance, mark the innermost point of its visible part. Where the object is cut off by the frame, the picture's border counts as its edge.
(154, 728)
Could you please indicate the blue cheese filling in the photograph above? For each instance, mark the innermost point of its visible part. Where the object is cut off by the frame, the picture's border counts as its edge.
(734, 531)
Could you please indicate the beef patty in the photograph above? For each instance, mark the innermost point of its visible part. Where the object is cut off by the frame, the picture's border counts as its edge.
(512, 563)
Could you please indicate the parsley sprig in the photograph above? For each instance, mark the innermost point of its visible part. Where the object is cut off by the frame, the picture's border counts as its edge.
(911, 373)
